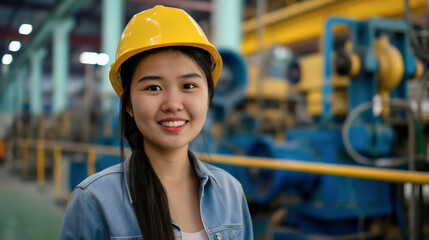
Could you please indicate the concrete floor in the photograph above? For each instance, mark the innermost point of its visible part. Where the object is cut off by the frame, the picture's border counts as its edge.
(27, 211)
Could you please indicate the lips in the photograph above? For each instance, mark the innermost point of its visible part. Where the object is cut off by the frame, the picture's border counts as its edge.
(173, 124)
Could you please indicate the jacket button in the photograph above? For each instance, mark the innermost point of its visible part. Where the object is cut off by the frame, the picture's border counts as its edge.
(218, 236)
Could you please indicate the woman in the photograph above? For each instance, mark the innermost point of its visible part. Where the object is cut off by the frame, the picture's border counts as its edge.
(164, 73)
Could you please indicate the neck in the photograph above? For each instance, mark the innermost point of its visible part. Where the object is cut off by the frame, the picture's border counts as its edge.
(171, 165)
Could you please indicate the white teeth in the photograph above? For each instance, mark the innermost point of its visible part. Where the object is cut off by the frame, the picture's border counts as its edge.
(173, 123)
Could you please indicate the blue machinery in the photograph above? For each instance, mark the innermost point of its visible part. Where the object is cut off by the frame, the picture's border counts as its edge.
(378, 62)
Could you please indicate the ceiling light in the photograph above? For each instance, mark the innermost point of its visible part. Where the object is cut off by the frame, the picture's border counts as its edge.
(14, 46)
(25, 29)
(103, 59)
(7, 59)
(88, 58)
(94, 58)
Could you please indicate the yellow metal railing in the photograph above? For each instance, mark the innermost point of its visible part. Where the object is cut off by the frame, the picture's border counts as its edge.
(57, 170)
(24, 169)
(372, 173)
(40, 163)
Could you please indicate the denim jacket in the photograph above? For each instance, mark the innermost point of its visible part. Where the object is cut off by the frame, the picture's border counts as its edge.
(101, 208)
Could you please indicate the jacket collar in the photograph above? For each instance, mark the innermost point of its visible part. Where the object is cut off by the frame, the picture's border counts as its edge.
(201, 169)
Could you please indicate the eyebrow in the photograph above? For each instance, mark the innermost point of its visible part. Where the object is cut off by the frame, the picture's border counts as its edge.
(185, 76)
(149, 78)
(191, 75)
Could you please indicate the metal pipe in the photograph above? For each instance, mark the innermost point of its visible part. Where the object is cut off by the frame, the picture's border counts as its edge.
(287, 12)
(24, 170)
(57, 171)
(88, 101)
(380, 174)
(424, 33)
(380, 162)
(410, 27)
(261, 8)
(91, 160)
(389, 175)
(304, 20)
(420, 88)
(40, 163)
(186, 4)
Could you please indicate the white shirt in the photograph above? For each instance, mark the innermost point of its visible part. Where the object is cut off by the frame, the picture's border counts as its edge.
(201, 235)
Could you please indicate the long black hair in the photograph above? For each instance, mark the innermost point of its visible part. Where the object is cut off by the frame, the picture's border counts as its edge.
(149, 198)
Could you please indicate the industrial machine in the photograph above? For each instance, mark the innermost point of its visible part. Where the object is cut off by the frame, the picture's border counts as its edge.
(354, 95)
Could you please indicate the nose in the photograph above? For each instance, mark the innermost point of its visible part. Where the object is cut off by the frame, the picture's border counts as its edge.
(172, 102)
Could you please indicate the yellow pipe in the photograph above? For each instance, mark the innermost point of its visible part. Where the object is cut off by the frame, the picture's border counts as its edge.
(73, 146)
(57, 171)
(305, 20)
(285, 13)
(91, 161)
(40, 163)
(380, 174)
(389, 175)
(24, 169)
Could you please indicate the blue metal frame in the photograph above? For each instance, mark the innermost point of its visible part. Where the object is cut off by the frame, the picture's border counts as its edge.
(363, 34)
(328, 43)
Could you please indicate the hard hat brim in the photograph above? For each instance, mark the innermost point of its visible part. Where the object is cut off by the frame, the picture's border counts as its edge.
(114, 74)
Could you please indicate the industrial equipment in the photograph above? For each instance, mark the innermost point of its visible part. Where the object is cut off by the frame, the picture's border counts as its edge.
(356, 113)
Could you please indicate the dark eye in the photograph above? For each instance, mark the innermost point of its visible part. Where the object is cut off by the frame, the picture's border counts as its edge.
(153, 88)
(188, 86)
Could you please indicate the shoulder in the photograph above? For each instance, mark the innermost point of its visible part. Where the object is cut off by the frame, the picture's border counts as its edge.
(102, 189)
(107, 176)
(93, 204)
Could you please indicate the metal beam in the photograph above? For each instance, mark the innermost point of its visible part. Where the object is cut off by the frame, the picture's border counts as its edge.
(26, 5)
(7, 33)
(75, 39)
(7, 103)
(21, 87)
(202, 6)
(36, 97)
(111, 29)
(60, 63)
(64, 9)
(112, 24)
(14, 12)
(305, 20)
(186, 4)
(228, 18)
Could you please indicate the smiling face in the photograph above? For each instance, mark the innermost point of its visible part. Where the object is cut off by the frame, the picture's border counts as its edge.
(169, 100)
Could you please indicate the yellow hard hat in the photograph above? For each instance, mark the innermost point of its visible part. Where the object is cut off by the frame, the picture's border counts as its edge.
(160, 27)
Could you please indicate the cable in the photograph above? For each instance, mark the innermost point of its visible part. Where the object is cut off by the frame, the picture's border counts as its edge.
(420, 88)
(400, 212)
(380, 162)
(410, 27)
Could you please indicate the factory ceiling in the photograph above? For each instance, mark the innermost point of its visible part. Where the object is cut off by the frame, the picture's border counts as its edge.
(86, 34)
